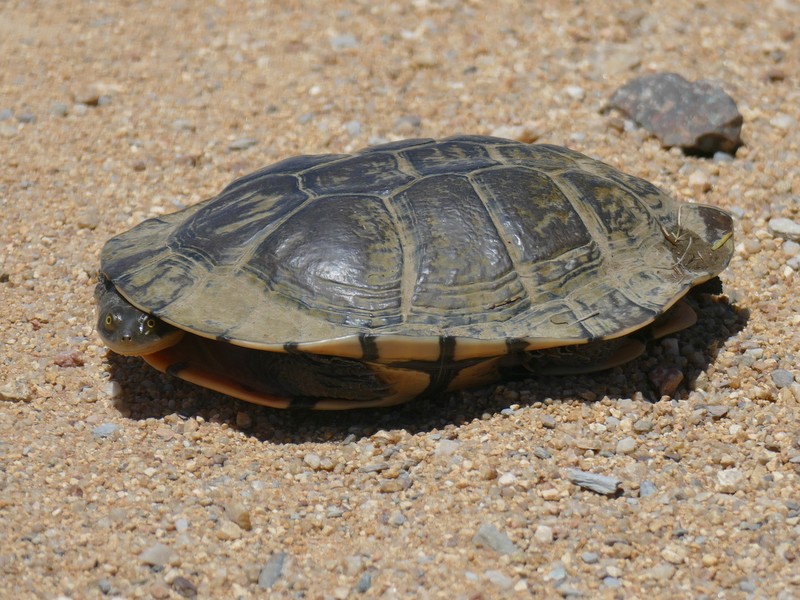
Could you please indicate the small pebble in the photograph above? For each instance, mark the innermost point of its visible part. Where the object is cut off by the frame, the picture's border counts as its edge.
(447, 447)
(353, 128)
(499, 579)
(88, 219)
(105, 586)
(717, 410)
(791, 248)
(543, 534)
(611, 582)
(556, 574)
(747, 586)
(785, 228)
(397, 519)
(271, 571)
(228, 531)
(105, 430)
(59, 109)
(184, 587)
(590, 558)
(541, 453)
(601, 484)
(643, 426)
(662, 571)
(729, 481)
(8, 130)
(647, 488)
(783, 121)
(575, 92)
(665, 379)
(782, 378)
(312, 460)
(489, 536)
(548, 422)
(243, 420)
(699, 182)
(157, 555)
(183, 125)
(506, 479)
(242, 143)
(15, 391)
(364, 583)
(112, 389)
(240, 515)
(626, 445)
(343, 42)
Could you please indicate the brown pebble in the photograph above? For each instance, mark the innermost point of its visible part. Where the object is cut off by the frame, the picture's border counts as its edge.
(69, 359)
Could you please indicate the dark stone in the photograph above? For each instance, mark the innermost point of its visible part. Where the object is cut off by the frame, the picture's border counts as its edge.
(698, 117)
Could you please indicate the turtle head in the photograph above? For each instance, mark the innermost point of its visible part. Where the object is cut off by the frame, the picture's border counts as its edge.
(126, 329)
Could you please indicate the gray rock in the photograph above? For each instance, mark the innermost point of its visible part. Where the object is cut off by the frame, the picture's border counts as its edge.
(157, 555)
(353, 128)
(647, 488)
(242, 143)
(698, 117)
(59, 109)
(343, 42)
(747, 586)
(601, 484)
(783, 122)
(272, 571)
(611, 582)
(490, 537)
(717, 410)
(542, 453)
(183, 125)
(626, 445)
(557, 574)
(104, 585)
(184, 587)
(590, 558)
(785, 228)
(499, 578)
(364, 583)
(729, 481)
(782, 378)
(15, 391)
(105, 430)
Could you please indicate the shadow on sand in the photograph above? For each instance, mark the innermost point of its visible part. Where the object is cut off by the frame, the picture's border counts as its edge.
(150, 394)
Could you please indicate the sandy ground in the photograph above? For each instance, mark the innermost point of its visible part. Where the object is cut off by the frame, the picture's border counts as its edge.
(116, 481)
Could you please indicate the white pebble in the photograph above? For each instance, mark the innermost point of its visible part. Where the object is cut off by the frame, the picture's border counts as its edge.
(507, 479)
(112, 389)
(543, 534)
(626, 445)
(729, 481)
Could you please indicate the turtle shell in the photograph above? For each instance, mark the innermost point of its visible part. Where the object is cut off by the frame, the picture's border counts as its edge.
(392, 253)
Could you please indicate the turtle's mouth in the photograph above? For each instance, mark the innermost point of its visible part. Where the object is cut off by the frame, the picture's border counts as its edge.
(142, 347)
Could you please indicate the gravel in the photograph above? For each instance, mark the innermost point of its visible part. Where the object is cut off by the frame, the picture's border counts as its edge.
(120, 482)
(602, 484)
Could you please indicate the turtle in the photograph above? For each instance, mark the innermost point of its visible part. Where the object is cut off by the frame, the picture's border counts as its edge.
(408, 269)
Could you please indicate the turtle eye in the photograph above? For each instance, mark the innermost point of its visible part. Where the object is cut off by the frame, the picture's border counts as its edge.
(109, 320)
(151, 323)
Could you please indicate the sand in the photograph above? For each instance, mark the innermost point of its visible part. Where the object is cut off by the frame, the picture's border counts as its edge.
(119, 482)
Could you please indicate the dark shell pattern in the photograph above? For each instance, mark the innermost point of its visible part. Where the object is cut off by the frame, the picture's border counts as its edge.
(403, 245)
